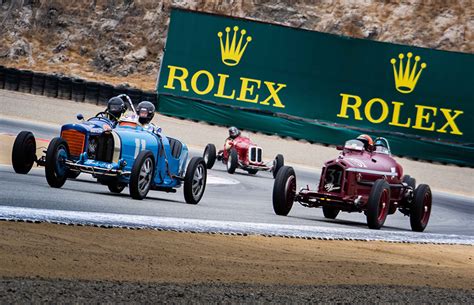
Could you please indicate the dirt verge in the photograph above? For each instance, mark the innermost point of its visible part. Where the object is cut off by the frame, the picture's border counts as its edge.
(88, 253)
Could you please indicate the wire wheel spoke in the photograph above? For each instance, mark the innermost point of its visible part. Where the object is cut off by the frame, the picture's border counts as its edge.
(198, 181)
(144, 177)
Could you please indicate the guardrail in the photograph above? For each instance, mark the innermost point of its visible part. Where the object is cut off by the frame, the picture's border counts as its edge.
(67, 88)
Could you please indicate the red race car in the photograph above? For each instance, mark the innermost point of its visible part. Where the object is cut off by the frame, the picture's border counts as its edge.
(364, 178)
(241, 152)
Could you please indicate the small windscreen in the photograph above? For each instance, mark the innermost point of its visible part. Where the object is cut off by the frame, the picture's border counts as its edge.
(354, 145)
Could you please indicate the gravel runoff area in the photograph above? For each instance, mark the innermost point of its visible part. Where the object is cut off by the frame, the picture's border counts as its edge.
(197, 135)
(19, 290)
(58, 263)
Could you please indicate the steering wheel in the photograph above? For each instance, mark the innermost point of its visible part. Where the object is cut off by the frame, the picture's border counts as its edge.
(104, 115)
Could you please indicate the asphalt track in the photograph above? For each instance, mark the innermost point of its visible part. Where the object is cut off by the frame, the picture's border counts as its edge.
(228, 198)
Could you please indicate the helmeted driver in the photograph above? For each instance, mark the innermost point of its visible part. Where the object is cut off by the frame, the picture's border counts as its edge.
(145, 112)
(367, 140)
(115, 107)
(234, 132)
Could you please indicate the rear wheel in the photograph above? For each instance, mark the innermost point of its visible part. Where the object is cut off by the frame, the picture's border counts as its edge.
(284, 191)
(116, 187)
(24, 152)
(378, 204)
(278, 163)
(420, 210)
(330, 212)
(143, 170)
(55, 166)
(209, 155)
(232, 161)
(195, 180)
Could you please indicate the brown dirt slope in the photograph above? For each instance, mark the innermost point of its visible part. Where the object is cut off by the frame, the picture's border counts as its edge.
(122, 41)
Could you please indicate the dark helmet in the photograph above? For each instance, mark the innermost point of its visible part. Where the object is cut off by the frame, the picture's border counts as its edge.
(234, 132)
(146, 112)
(116, 107)
(367, 140)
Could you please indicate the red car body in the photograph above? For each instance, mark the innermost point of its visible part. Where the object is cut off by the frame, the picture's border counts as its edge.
(242, 153)
(359, 181)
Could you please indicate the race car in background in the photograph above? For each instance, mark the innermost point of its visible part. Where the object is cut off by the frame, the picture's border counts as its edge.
(242, 153)
(359, 181)
(127, 155)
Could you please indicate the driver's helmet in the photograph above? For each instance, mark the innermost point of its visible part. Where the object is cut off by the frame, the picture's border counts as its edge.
(116, 107)
(234, 132)
(146, 112)
(367, 140)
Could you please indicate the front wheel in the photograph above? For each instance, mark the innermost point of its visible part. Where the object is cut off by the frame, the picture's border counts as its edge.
(284, 191)
(56, 170)
(421, 208)
(195, 180)
(278, 163)
(232, 161)
(209, 155)
(143, 170)
(24, 152)
(378, 204)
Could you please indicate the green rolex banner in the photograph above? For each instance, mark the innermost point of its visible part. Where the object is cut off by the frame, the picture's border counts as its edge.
(320, 87)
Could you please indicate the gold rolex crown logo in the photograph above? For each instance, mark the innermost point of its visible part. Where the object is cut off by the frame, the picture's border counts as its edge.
(406, 76)
(232, 51)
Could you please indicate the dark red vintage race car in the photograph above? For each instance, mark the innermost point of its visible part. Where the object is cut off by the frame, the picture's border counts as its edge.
(359, 180)
(242, 153)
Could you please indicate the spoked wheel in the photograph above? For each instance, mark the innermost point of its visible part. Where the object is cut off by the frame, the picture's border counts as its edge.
(284, 191)
(210, 155)
(421, 208)
(195, 180)
(24, 152)
(55, 167)
(142, 175)
(378, 204)
(232, 161)
(278, 163)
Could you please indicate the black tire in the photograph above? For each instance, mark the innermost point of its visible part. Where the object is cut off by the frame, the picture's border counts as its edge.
(330, 212)
(284, 190)
(409, 180)
(232, 161)
(420, 210)
(55, 169)
(279, 162)
(209, 155)
(143, 172)
(24, 152)
(116, 187)
(378, 204)
(195, 180)
(252, 171)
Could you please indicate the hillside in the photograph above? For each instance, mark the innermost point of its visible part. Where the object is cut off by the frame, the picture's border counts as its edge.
(122, 41)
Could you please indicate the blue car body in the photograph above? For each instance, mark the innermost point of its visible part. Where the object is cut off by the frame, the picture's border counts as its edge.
(109, 153)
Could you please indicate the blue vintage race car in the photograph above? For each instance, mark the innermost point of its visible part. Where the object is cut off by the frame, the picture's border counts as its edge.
(120, 156)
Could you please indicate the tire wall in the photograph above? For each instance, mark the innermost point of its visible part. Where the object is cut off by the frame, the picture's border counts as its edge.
(67, 88)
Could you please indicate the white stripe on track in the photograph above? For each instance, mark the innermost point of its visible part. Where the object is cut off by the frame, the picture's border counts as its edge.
(225, 227)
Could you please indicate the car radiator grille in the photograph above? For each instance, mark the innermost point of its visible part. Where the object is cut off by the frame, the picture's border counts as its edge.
(255, 154)
(75, 140)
